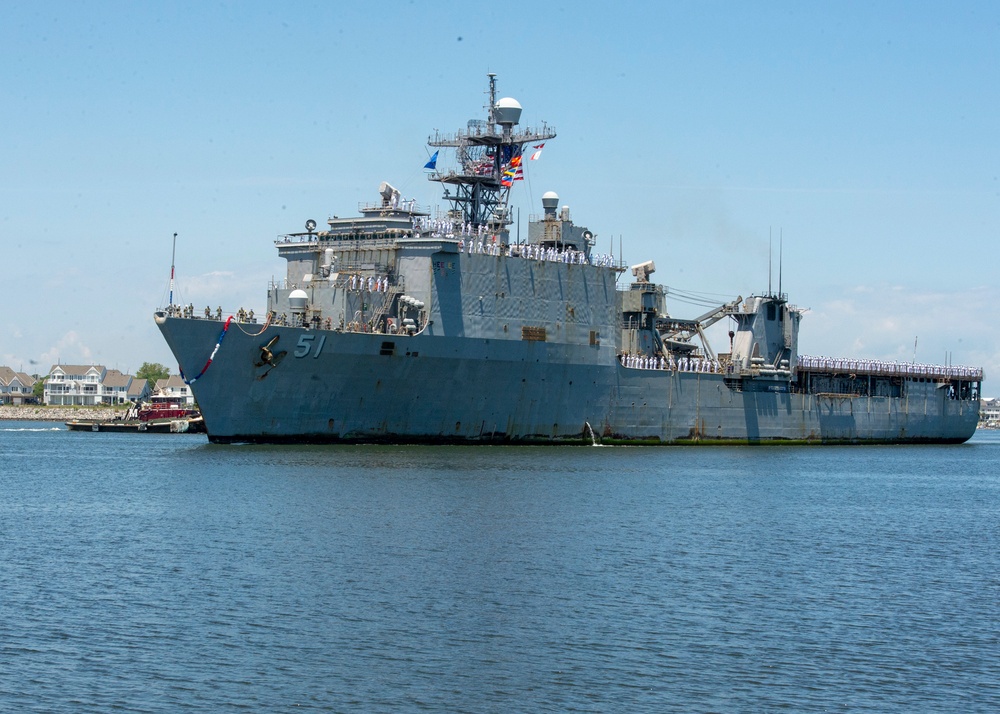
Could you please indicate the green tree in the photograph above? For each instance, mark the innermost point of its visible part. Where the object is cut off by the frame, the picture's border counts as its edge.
(39, 388)
(152, 371)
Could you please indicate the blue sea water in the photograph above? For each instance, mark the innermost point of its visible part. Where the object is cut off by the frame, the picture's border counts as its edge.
(159, 573)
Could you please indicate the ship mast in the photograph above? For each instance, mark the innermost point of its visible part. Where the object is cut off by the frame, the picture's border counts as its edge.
(488, 155)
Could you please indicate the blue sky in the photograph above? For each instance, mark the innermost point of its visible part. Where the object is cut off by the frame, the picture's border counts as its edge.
(863, 134)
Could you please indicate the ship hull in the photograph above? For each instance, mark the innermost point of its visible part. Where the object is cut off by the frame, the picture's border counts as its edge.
(320, 386)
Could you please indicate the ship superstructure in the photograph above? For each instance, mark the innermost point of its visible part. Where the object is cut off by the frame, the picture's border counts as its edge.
(407, 324)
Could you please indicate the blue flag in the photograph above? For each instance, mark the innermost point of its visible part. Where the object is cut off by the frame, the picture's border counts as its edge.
(432, 164)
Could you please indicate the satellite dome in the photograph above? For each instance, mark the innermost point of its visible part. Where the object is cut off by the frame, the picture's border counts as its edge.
(507, 111)
(550, 200)
(297, 300)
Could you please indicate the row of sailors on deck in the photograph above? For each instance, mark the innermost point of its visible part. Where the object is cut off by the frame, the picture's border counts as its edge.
(439, 228)
(188, 311)
(681, 364)
(370, 284)
(835, 364)
(533, 251)
(180, 310)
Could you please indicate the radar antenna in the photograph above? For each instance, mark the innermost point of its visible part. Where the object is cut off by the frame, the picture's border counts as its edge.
(488, 154)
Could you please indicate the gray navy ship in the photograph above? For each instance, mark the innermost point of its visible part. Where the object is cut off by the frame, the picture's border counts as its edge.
(407, 325)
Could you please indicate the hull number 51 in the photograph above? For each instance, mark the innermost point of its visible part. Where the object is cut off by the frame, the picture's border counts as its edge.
(309, 344)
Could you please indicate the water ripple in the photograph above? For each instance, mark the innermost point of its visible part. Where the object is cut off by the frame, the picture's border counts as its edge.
(151, 573)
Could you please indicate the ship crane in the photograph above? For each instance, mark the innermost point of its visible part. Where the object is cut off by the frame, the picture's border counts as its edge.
(679, 333)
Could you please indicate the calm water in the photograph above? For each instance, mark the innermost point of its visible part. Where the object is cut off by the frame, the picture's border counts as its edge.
(144, 572)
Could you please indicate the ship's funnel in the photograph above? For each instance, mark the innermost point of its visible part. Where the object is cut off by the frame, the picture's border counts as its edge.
(507, 112)
(550, 201)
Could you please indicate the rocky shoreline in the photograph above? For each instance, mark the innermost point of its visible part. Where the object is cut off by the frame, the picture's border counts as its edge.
(42, 413)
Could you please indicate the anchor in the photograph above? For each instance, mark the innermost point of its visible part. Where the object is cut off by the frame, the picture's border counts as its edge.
(269, 357)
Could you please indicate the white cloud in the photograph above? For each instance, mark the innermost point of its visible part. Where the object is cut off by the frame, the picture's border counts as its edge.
(68, 349)
(884, 321)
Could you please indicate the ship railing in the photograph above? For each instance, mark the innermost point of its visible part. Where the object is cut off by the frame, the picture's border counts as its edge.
(217, 314)
(670, 364)
(476, 244)
(484, 133)
(745, 307)
(885, 368)
(406, 206)
(343, 279)
(346, 241)
(296, 238)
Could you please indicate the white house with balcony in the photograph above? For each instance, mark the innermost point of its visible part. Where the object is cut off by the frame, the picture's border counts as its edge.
(74, 384)
(989, 412)
(90, 385)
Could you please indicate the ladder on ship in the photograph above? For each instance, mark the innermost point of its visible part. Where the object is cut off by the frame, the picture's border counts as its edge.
(390, 296)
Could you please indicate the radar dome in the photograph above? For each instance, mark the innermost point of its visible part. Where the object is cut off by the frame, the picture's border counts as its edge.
(507, 111)
(550, 200)
(297, 300)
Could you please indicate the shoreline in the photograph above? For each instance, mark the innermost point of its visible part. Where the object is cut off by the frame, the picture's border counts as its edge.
(33, 412)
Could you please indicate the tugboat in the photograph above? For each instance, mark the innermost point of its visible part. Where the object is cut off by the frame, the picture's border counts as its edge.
(161, 416)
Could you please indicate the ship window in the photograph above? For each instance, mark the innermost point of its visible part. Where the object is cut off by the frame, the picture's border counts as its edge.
(770, 311)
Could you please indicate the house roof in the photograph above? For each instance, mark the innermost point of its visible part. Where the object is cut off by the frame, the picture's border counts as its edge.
(77, 369)
(174, 381)
(114, 378)
(8, 375)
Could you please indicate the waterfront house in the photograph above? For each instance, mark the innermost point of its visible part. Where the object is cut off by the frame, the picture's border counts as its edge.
(16, 387)
(90, 385)
(989, 413)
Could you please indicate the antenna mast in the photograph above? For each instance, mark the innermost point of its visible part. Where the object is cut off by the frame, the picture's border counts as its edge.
(769, 241)
(173, 253)
(781, 250)
(489, 153)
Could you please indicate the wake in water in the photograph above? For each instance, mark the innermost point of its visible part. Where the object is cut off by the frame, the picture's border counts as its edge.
(47, 428)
